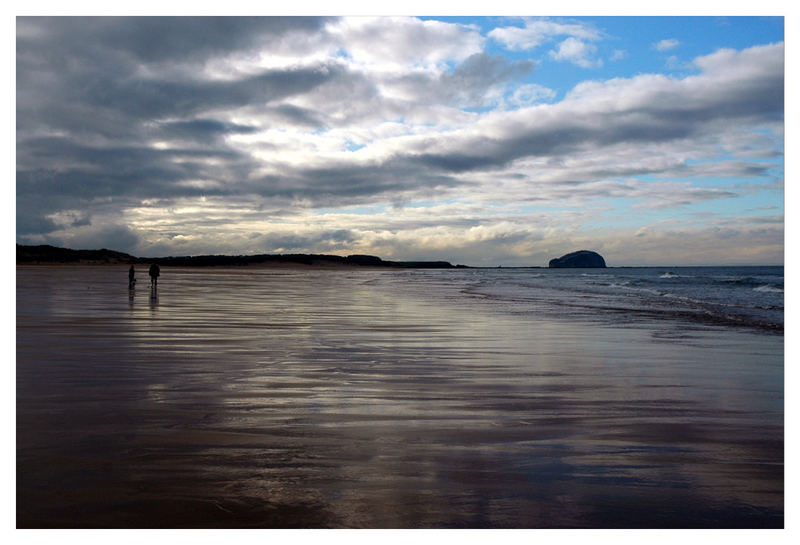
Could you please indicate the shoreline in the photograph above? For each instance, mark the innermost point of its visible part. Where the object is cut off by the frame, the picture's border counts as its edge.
(593, 309)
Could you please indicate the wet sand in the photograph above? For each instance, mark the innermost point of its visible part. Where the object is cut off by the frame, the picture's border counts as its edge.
(265, 398)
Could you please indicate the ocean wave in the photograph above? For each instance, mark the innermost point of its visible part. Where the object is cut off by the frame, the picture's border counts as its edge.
(742, 281)
(768, 288)
(733, 297)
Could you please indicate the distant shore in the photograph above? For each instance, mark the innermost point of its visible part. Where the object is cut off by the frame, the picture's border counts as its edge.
(52, 255)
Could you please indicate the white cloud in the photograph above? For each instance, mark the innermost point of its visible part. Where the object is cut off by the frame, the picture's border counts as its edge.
(726, 78)
(754, 62)
(618, 55)
(529, 94)
(387, 43)
(576, 52)
(674, 63)
(538, 31)
(667, 44)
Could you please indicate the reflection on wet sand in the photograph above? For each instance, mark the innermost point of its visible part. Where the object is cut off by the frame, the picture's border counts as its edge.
(304, 398)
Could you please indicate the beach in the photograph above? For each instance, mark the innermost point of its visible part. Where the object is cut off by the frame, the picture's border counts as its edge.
(286, 397)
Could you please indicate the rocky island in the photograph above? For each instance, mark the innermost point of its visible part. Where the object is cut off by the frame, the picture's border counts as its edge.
(582, 259)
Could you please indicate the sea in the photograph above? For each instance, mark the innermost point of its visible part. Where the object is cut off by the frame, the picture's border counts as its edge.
(264, 397)
(726, 296)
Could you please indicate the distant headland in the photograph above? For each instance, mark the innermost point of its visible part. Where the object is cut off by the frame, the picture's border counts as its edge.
(46, 254)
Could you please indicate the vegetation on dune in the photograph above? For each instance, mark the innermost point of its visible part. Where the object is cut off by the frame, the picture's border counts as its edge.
(52, 254)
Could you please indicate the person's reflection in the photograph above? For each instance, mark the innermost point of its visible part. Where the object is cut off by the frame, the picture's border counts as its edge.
(153, 298)
(154, 273)
(131, 286)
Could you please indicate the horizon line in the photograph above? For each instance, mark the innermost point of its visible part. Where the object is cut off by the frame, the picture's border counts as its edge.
(496, 266)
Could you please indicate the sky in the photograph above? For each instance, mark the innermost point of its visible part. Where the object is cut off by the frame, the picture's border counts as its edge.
(478, 140)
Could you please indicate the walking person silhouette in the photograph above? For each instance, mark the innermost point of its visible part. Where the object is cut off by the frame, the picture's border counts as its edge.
(131, 278)
(155, 271)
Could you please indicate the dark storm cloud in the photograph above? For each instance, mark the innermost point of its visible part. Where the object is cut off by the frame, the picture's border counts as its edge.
(351, 183)
(295, 115)
(658, 122)
(80, 174)
(133, 99)
(143, 98)
(108, 74)
(34, 219)
(92, 172)
(483, 153)
(205, 130)
(155, 39)
(93, 94)
(469, 81)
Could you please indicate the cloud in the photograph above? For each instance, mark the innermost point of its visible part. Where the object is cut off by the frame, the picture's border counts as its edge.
(203, 130)
(390, 42)
(539, 31)
(744, 88)
(674, 63)
(174, 144)
(530, 94)
(576, 52)
(594, 113)
(618, 55)
(156, 40)
(296, 115)
(739, 243)
(666, 45)
(470, 80)
(114, 237)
